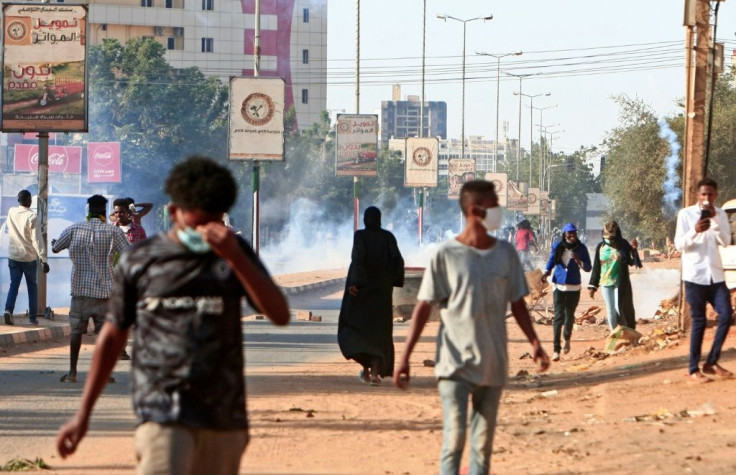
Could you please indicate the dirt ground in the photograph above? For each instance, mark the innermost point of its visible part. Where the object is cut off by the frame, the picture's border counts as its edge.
(630, 413)
(634, 412)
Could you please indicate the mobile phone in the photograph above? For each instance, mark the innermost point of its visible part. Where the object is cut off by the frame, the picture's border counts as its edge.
(704, 213)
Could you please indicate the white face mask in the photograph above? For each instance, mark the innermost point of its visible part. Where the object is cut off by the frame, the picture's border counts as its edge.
(493, 218)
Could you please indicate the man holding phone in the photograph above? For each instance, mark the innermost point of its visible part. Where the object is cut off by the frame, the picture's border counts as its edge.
(701, 228)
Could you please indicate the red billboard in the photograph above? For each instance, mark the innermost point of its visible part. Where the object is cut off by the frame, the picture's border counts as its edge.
(103, 162)
(61, 159)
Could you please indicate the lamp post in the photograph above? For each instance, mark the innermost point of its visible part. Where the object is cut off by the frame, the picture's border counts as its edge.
(464, 22)
(420, 213)
(531, 125)
(518, 144)
(541, 150)
(543, 135)
(498, 88)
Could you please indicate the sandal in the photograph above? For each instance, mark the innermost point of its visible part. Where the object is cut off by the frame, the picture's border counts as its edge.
(364, 377)
(375, 381)
(698, 378)
(717, 371)
(69, 378)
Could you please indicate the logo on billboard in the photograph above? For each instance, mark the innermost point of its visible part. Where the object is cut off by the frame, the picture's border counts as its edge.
(257, 109)
(17, 30)
(59, 161)
(103, 156)
(422, 156)
(343, 127)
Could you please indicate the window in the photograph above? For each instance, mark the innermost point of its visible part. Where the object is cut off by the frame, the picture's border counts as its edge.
(305, 56)
(170, 43)
(208, 45)
(305, 15)
(147, 3)
(104, 27)
(169, 3)
(208, 4)
(305, 96)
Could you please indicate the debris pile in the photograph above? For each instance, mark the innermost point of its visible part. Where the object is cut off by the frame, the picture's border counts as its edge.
(589, 317)
(668, 309)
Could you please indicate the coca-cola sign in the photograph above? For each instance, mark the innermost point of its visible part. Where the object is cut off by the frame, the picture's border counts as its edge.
(103, 162)
(61, 159)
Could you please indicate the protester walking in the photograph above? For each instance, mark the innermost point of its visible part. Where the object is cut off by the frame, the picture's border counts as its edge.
(365, 324)
(472, 279)
(612, 259)
(568, 257)
(701, 229)
(181, 294)
(25, 250)
(525, 242)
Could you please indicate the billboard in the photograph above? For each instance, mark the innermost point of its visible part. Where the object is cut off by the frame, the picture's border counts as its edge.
(421, 162)
(544, 203)
(459, 171)
(356, 150)
(532, 200)
(517, 195)
(500, 184)
(256, 119)
(103, 162)
(62, 159)
(44, 68)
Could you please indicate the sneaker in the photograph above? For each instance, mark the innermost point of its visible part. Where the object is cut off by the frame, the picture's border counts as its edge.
(8, 318)
(566, 347)
(555, 356)
(33, 323)
(124, 356)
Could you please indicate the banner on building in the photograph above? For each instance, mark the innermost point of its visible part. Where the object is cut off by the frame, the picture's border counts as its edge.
(44, 68)
(532, 200)
(103, 162)
(459, 172)
(544, 203)
(517, 195)
(356, 148)
(500, 184)
(61, 159)
(256, 119)
(421, 162)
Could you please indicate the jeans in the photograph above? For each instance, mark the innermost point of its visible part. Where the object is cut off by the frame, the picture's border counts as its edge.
(454, 394)
(697, 296)
(565, 304)
(17, 270)
(610, 296)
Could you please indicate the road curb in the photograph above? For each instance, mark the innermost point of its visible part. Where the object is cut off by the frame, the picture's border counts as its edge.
(298, 289)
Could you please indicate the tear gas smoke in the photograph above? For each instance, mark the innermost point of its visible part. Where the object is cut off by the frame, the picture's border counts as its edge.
(671, 188)
(651, 286)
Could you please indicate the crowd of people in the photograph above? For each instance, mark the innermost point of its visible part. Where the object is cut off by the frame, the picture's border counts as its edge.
(180, 294)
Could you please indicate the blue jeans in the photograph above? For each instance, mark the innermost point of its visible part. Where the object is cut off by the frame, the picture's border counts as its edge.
(610, 297)
(454, 394)
(17, 270)
(697, 296)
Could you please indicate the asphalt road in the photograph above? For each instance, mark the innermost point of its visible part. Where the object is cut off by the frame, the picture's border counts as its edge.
(33, 403)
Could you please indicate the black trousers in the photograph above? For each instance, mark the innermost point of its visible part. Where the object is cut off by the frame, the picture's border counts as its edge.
(565, 304)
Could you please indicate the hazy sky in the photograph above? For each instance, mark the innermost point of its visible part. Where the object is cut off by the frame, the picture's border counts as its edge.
(581, 51)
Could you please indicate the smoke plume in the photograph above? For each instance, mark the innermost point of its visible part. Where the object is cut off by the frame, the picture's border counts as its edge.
(671, 185)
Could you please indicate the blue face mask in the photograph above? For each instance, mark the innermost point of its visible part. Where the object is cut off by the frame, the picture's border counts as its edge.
(193, 240)
(607, 241)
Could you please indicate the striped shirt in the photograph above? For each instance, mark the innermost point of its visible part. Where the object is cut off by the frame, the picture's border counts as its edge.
(91, 246)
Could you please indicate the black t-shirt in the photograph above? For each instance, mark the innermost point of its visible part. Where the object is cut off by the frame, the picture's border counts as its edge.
(188, 360)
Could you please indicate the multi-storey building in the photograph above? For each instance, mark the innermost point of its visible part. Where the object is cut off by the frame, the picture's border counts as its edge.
(400, 119)
(217, 37)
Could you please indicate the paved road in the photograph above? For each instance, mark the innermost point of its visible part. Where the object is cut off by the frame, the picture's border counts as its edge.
(33, 403)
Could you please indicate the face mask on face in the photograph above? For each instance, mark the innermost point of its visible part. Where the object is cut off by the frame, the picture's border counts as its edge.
(193, 240)
(607, 241)
(493, 218)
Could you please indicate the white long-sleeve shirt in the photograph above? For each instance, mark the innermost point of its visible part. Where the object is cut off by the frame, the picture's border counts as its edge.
(25, 244)
(701, 261)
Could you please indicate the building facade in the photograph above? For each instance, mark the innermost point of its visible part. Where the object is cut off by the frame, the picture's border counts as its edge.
(400, 119)
(217, 37)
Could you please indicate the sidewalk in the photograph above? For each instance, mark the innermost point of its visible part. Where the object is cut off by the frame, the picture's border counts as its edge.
(22, 332)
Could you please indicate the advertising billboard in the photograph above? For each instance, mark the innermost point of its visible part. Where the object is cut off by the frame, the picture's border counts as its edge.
(356, 148)
(459, 172)
(532, 200)
(421, 162)
(44, 68)
(257, 119)
(500, 184)
(103, 162)
(62, 159)
(517, 195)
(544, 203)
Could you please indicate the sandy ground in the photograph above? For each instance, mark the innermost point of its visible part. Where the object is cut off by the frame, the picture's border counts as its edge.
(630, 413)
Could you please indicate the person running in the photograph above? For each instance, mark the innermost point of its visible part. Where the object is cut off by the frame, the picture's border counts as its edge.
(365, 324)
(181, 293)
(25, 250)
(525, 242)
(472, 279)
(568, 257)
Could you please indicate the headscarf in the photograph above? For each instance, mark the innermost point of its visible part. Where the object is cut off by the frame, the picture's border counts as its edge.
(372, 218)
(611, 233)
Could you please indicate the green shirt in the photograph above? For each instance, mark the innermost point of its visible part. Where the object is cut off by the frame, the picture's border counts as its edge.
(610, 266)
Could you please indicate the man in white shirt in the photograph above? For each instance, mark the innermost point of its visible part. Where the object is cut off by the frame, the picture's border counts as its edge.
(701, 228)
(24, 249)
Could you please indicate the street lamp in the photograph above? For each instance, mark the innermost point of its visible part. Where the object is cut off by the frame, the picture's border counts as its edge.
(541, 150)
(531, 125)
(518, 144)
(498, 83)
(464, 22)
(543, 135)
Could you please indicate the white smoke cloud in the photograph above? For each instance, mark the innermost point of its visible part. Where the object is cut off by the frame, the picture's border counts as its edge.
(671, 185)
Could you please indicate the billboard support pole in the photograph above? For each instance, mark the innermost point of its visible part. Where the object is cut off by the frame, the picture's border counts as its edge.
(42, 214)
(420, 214)
(356, 183)
(256, 176)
